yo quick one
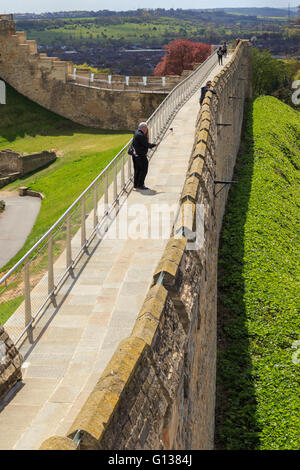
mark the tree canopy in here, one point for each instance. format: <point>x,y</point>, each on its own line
<point>181,55</point>
<point>273,76</point>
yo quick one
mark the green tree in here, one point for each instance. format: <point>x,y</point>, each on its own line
<point>273,76</point>
<point>268,73</point>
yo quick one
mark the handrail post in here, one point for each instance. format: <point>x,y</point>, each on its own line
<point>106,192</point>
<point>50,265</point>
<point>129,166</point>
<point>69,244</point>
<point>83,231</point>
<point>27,297</point>
<point>122,171</point>
<point>115,182</point>
<point>95,206</point>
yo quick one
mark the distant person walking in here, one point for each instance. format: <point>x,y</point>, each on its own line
<point>204,90</point>
<point>220,55</point>
<point>141,145</point>
<point>224,49</point>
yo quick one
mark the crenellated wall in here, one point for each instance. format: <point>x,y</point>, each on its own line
<point>51,83</point>
<point>158,390</point>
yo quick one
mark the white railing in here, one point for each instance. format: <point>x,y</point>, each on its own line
<point>121,84</point>
<point>33,283</point>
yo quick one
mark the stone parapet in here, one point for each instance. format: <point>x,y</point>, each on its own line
<point>10,364</point>
<point>59,443</point>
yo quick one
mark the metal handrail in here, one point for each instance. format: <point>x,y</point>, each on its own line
<point>189,77</point>
<point>157,123</point>
<point>62,217</point>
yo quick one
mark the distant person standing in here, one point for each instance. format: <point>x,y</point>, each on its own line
<point>224,49</point>
<point>220,55</point>
<point>204,90</point>
<point>141,145</point>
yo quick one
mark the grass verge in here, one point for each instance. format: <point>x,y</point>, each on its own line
<point>258,324</point>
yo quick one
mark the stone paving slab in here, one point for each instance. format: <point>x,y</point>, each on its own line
<point>96,308</point>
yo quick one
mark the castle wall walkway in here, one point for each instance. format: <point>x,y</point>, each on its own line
<point>97,307</point>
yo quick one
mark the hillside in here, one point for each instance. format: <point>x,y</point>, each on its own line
<point>258,337</point>
<point>99,38</point>
<point>177,13</point>
<point>263,12</point>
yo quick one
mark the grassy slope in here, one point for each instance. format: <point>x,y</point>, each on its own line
<point>258,406</point>
<point>159,30</point>
<point>26,127</point>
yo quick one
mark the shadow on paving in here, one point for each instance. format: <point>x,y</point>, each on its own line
<point>236,426</point>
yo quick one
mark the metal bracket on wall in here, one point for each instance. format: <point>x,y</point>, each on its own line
<point>234,97</point>
<point>224,184</point>
<point>223,124</point>
<point>77,438</point>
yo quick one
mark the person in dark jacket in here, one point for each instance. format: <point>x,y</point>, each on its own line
<point>204,90</point>
<point>220,55</point>
<point>224,49</point>
<point>141,145</point>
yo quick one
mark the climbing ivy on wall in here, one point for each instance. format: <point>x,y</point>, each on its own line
<point>258,313</point>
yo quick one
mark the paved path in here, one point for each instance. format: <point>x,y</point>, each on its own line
<point>97,308</point>
<point>16,223</point>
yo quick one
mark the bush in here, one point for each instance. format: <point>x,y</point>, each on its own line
<point>273,76</point>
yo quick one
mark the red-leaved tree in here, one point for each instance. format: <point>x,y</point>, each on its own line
<point>181,55</point>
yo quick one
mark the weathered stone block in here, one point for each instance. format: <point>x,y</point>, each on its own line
<point>59,443</point>
<point>10,364</point>
<point>197,167</point>
<point>171,257</point>
<point>185,223</point>
<point>190,189</point>
<point>200,150</point>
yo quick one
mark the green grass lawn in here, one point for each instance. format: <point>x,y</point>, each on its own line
<point>258,313</point>
<point>83,153</point>
<point>8,308</point>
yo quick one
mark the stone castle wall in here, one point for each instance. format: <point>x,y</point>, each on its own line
<point>158,390</point>
<point>11,161</point>
<point>48,82</point>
